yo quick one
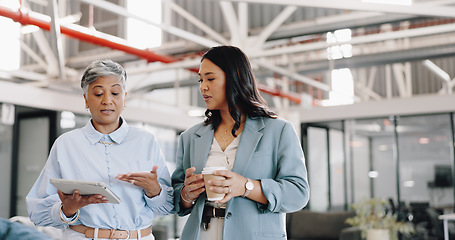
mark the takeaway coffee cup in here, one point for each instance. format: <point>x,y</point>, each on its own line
<point>207,172</point>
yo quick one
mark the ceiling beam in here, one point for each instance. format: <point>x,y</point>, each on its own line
<point>416,32</point>
<point>423,104</point>
<point>13,93</point>
<point>324,24</point>
<point>110,7</point>
<point>196,22</point>
<point>422,9</point>
<point>383,58</point>
<point>27,75</point>
<point>231,20</point>
<point>294,76</point>
<point>57,40</point>
<point>273,26</point>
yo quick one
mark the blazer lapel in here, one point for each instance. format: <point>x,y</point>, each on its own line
<point>248,144</point>
<point>201,147</point>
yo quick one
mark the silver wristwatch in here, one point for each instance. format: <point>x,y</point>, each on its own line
<point>248,187</point>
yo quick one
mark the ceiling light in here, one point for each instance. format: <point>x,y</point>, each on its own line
<point>408,184</point>
<point>356,144</point>
<point>373,174</point>
<point>424,140</point>
<point>393,2</point>
<point>383,148</point>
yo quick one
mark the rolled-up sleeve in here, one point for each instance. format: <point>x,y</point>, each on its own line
<point>163,203</point>
<point>43,202</point>
<point>289,190</point>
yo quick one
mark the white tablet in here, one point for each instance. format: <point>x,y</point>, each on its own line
<point>86,188</point>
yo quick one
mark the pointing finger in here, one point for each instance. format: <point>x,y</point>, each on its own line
<point>189,172</point>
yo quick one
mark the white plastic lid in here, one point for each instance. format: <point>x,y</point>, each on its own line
<point>209,170</point>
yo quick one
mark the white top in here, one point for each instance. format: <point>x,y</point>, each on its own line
<point>219,158</point>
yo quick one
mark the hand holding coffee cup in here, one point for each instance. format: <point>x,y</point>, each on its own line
<point>208,175</point>
<point>193,187</point>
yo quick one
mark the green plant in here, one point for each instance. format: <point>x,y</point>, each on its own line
<point>375,213</point>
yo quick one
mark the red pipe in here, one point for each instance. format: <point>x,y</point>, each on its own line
<point>293,97</point>
<point>25,19</point>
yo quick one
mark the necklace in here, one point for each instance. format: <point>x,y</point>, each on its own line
<point>106,143</point>
<point>224,139</point>
<point>230,137</point>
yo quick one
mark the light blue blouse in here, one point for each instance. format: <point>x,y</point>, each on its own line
<point>78,154</point>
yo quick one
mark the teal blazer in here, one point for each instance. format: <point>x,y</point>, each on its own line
<point>269,151</point>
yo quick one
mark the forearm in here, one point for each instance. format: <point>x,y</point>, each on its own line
<point>285,195</point>
<point>256,194</point>
<point>163,203</point>
<point>45,212</point>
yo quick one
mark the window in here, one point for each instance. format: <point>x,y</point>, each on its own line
<point>141,34</point>
<point>342,82</point>
<point>339,47</point>
<point>342,88</point>
<point>9,43</point>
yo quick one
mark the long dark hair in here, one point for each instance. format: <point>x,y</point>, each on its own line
<point>241,91</point>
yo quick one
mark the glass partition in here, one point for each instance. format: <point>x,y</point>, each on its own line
<point>326,167</point>
<point>318,176</point>
<point>405,159</point>
<point>373,165</point>
<point>360,166</point>
<point>337,171</point>
<point>426,159</point>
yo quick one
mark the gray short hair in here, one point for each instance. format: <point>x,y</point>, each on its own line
<point>101,68</point>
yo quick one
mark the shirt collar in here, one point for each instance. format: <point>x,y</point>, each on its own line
<point>94,136</point>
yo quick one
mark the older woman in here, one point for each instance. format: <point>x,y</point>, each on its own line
<point>106,149</point>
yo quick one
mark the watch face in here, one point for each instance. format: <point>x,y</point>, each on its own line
<point>249,185</point>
